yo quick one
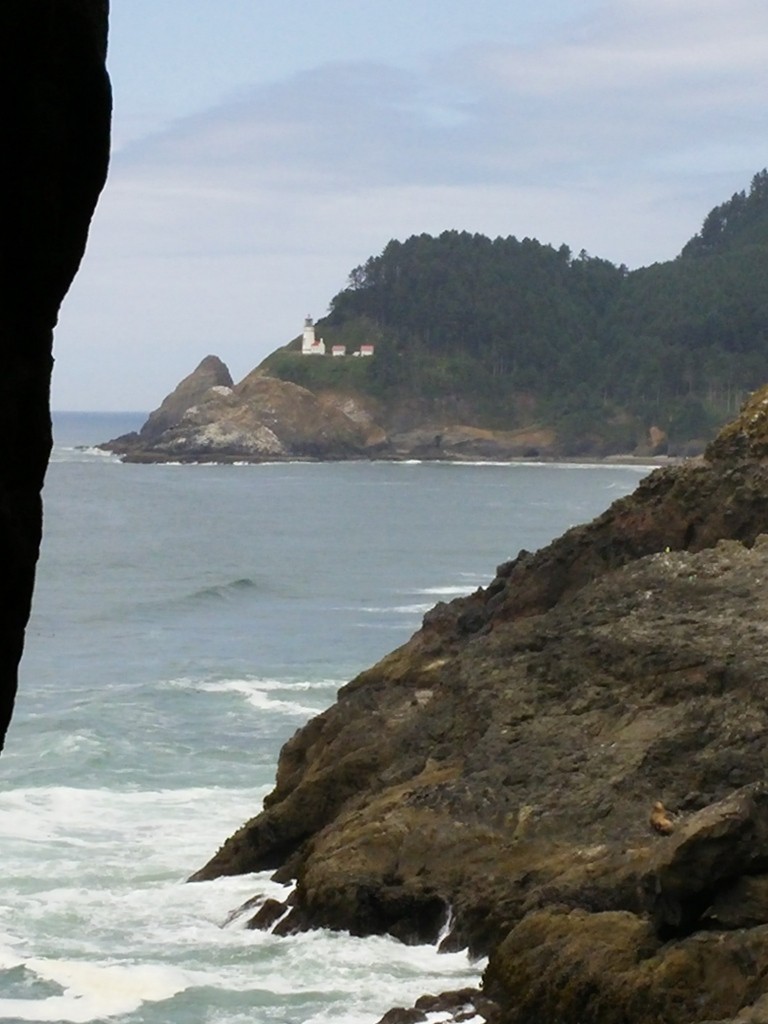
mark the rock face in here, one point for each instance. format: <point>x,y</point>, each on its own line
<point>210,419</point>
<point>55,103</point>
<point>499,770</point>
<point>211,373</point>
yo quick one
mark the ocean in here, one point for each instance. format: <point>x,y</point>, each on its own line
<point>187,620</point>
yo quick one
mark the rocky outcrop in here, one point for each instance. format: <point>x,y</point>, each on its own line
<point>463,1005</point>
<point>211,373</point>
<point>456,442</point>
<point>55,104</point>
<point>261,419</point>
<point>699,953</point>
<point>496,776</point>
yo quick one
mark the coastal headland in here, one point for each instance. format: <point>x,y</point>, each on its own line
<point>459,347</point>
<point>210,418</point>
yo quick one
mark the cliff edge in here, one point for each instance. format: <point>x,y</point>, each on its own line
<point>567,767</point>
<point>263,418</point>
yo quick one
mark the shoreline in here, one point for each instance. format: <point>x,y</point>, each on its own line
<point>198,459</point>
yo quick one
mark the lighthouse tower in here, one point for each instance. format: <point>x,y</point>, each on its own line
<point>310,345</point>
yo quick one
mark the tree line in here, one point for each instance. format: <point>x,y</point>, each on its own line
<point>678,344</point>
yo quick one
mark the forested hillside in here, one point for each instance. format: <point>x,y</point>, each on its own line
<point>520,330</point>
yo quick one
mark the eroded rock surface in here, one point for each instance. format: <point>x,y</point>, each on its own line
<point>209,419</point>
<point>211,373</point>
<point>502,765</point>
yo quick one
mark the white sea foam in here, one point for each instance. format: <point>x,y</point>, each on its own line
<point>312,953</point>
<point>224,685</point>
<point>108,875</point>
<point>438,1018</point>
<point>256,693</point>
<point>110,828</point>
<point>85,453</point>
<point>9,957</point>
<point>100,870</point>
<point>94,992</point>
<point>634,467</point>
<point>331,972</point>
<point>340,967</point>
<point>397,609</point>
<point>259,700</point>
<point>459,591</point>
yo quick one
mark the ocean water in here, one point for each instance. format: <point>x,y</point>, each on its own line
<point>187,620</point>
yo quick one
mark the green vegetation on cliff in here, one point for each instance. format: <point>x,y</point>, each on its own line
<point>522,332</point>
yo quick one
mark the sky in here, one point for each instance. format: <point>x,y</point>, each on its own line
<point>261,151</point>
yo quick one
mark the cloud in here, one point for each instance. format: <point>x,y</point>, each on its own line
<point>641,82</point>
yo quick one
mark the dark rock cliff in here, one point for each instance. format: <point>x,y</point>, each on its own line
<point>55,106</point>
<point>570,761</point>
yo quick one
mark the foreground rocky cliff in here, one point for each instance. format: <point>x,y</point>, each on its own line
<point>567,767</point>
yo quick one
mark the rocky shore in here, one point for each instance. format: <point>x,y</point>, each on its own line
<point>209,418</point>
<point>567,765</point>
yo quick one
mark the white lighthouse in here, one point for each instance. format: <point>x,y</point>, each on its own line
<point>310,345</point>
